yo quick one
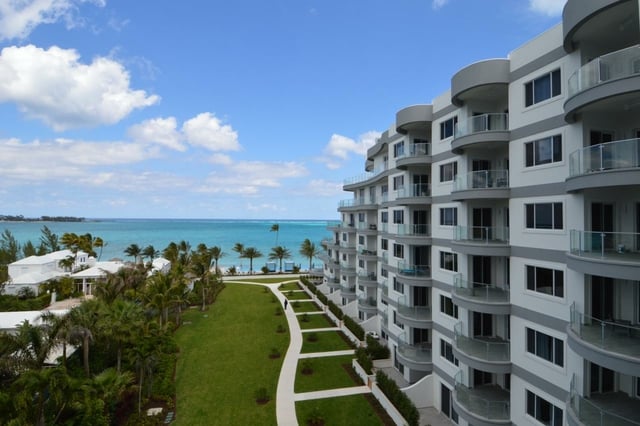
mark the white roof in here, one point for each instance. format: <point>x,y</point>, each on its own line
<point>44,259</point>
<point>99,270</point>
<point>34,277</point>
<point>11,320</point>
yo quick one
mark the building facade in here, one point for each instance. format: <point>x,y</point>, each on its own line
<point>494,238</point>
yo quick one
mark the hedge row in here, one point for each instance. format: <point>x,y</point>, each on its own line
<point>355,328</point>
<point>377,350</point>
<point>335,309</point>
<point>398,398</point>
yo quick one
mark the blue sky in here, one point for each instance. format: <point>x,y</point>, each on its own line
<point>222,109</point>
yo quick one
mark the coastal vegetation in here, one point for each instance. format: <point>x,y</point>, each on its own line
<point>21,218</point>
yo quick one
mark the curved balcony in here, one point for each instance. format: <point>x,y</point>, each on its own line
<point>368,305</point>
<point>414,275</point>
<point>384,293</point>
<point>367,279</point>
<point>486,298</point>
<point>419,191</point>
<point>348,290</point>
<point>586,21</point>
<point>482,240</point>
<point>347,269</point>
<point>608,254</point>
<point>333,283</point>
<point>415,154</point>
<point>484,80</point>
<point>419,234</point>
<point>490,354</point>
<point>417,356</point>
<point>368,255</point>
<point>413,316</point>
<point>611,409</point>
<point>415,117</point>
<point>616,75</point>
<point>365,178</point>
<point>357,204</point>
<point>613,344</point>
<point>481,131</point>
<point>482,184</point>
<point>606,165</point>
<point>488,404</point>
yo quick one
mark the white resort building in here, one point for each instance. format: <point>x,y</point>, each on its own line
<point>494,239</point>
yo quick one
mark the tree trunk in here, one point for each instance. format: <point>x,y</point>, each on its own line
<point>85,355</point>
<point>119,359</point>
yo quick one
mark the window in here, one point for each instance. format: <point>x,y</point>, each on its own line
<point>543,411</point>
<point>447,126</point>
<point>542,88</point>
<point>384,273</point>
<point>384,217</point>
<point>344,236</point>
<point>398,150</point>
<point>446,352</point>
<point>449,216</point>
<point>544,216</point>
<point>449,171</point>
<point>398,251</point>
<point>361,217</point>
<point>398,286</point>
<point>361,239</point>
<point>398,216</point>
<point>395,320</point>
<point>384,244</point>
<point>545,347</point>
<point>447,306</point>
<point>361,263</point>
<point>545,280</point>
<point>543,151</point>
<point>398,183</point>
<point>449,261</point>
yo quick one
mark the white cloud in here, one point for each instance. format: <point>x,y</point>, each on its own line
<point>222,159</point>
<point>162,131</point>
<point>437,4</point>
<point>55,87</point>
<point>547,7</point>
<point>323,188</point>
<point>340,147</point>
<point>19,17</point>
<point>208,131</point>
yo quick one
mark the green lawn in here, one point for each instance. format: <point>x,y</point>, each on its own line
<point>224,359</point>
<point>327,341</point>
<point>306,306</point>
<point>289,286</point>
<point>315,321</point>
<point>266,280</point>
<point>328,373</point>
<point>297,295</point>
<point>353,410</point>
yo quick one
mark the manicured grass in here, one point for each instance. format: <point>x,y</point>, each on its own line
<point>289,286</point>
<point>353,410</point>
<point>297,295</point>
<point>327,341</point>
<point>328,373</point>
<point>315,321</point>
<point>224,359</point>
<point>305,306</point>
<point>269,280</point>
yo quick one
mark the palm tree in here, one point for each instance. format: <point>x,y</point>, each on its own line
<point>216,253</point>
<point>251,253</point>
<point>171,253</point>
<point>134,251</point>
<point>98,242</point>
<point>309,250</point>
<point>275,228</point>
<point>83,322</point>
<point>122,321</point>
<point>49,240</point>
<point>239,248</point>
<point>279,253</point>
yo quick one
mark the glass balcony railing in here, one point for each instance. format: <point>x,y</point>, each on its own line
<point>418,313</point>
<point>384,227</point>
<point>617,246</point>
<point>592,414</point>
<point>384,287</point>
<point>366,176</point>
<point>482,179</point>
<point>624,154</point>
<point>348,289</point>
<point>411,270</point>
<point>346,267</point>
<point>367,303</point>
<point>490,402</point>
<point>355,202</point>
<point>489,293</point>
<point>414,190</point>
<point>487,234</point>
<point>614,335</point>
<point>420,230</point>
<point>364,226</point>
<point>493,350</point>
<point>613,66</point>
<point>420,352</point>
<point>347,244</point>
<point>482,123</point>
<point>421,149</point>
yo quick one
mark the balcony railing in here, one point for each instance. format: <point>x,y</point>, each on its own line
<point>365,176</point>
<point>363,226</point>
<point>421,149</point>
<point>490,402</point>
<point>420,352</point>
<point>591,414</point>
<point>422,230</point>
<point>482,123</point>
<point>414,190</point>
<point>624,154</point>
<point>367,276</point>
<point>355,202</point>
<point>418,313</point>
<point>411,270</point>
<point>486,234</point>
<point>620,246</point>
<point>481,292</point>
<point>482,179</point>
<point>367,302</point>
<point>347,244</point>
<point>493,351</point>
<point>615,335</point>
<point>348,289</point>
<point>613,66</point>
<point>384,287</point>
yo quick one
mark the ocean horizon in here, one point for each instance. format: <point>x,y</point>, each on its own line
<point>119,233</point>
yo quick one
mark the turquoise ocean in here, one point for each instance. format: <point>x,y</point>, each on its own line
<point>118,234</point>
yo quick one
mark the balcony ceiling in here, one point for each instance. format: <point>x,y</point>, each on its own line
<point>616,26</point>
<point>489,93</point>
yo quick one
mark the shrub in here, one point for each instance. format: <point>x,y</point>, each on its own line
<point>281,328</point>
<point>376,350</point>
<point>364,360</point>
<point>275,353</point>
<point>304,317</point>
<point>335,309</point>
<point>295,269</point>
<point>322,298</point>
<point>295,304</point>
<point>354,327</point>
<point>307,367</point>
<point>264,270</point>
<point>266,290</point>
<point>398,398</point>
<point>261,395</point>
<point>315,418</point>
<point>278,311</point>
<point>313,337</point>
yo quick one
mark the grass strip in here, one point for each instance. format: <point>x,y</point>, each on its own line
<point>314,321</point>
<point>352,410</point>
<point>328,373</point>
<point>326,341</point>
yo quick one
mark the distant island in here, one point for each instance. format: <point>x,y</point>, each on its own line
<point>20,218</point>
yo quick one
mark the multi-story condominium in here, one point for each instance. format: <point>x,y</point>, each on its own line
<point>494,240</point>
